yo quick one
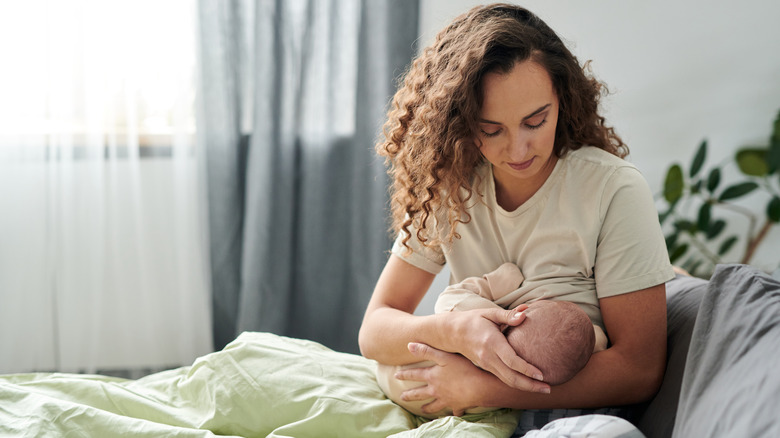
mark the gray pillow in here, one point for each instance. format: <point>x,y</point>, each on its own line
<point>683,296</point>
<point>731,385</point>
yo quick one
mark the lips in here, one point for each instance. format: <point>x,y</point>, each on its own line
<point>521,166</point>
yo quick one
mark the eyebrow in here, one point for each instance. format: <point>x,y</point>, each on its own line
<point>539,110</point>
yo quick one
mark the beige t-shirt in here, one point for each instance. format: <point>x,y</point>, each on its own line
<point>591,231</point>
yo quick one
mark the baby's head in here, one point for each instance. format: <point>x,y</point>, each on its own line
<point>557,337</point>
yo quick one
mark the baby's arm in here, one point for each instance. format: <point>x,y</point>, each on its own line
<point>480,292</point>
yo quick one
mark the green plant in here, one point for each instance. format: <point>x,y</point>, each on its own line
<point>698,236</point>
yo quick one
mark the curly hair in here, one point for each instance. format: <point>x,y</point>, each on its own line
<point>430,138</point>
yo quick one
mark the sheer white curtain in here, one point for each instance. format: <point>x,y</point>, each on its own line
<point>102,260</point>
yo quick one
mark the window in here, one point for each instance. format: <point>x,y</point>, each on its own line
<point>114,77</point>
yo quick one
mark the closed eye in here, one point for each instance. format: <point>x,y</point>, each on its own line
<point>536,121</point>
<point>490,133</point>
<point>536,126</point>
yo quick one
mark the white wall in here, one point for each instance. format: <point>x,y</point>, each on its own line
<point>679,71</point>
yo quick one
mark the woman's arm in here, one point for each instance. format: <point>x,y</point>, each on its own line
<point>389,326</point>
<point>630,371</point>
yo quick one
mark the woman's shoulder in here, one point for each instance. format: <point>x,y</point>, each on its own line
<point>593,156</point>
<point>598,166</point>
<point>597,176</point>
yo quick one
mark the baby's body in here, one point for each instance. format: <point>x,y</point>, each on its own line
<point>557,336</point>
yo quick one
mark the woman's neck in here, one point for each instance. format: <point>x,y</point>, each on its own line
<point>513,193</point>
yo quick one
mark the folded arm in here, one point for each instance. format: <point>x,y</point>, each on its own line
<point>630,371</point>
<point>389,326</point>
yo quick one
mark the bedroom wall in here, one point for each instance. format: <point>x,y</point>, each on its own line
<point>679,72</point>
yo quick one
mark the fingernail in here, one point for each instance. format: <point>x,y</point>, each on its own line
<point>517,315</point>
<point>538,377</point>
<point>412,347</point>
<point>545,390</point>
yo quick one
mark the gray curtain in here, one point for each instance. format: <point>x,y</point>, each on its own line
<point>292,98</point>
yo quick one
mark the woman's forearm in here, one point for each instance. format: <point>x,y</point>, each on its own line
<point>386,333</point>
<point>630,371</point>
<point>389,324</point>
<point>608,380</point>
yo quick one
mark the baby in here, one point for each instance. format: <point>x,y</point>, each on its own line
<point>557,336</point>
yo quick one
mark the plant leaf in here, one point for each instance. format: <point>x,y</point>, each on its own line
<point>753,161</point>
<point>696,187</point>
<point>773,156</point>
<point>705,213</point>
<point>715,229</point>
<point>678,252</point>
<point>665,215</point>
<point>713,179</point>
<point>662,216</point>
<point>726,245</point>
<point>698,159</point>
<point>773,209</point>
<point>671,239</point>
<point>737,190</point>
<point>685,225</point>
<point>776,130</point>
<point>673,185</point>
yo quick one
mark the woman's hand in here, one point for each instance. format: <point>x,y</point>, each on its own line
<point>480,339</point>
<point>440,379</point>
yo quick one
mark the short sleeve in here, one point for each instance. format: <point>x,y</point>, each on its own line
<point>430,259</point>
<point>631,253</point>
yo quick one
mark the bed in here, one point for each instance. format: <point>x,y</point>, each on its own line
<point>259,385</point>
<point>724,346</point>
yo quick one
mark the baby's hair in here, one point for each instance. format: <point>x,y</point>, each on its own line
<point>430,137</point>
<point>557,337</point>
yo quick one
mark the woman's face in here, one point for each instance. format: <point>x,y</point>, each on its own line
<point>517,128</point>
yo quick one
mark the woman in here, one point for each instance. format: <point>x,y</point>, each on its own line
<point>498,154</point>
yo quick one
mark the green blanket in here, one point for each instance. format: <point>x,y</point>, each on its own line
<point>259,385</point>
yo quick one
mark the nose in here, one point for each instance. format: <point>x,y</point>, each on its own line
<point>518,145</point>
